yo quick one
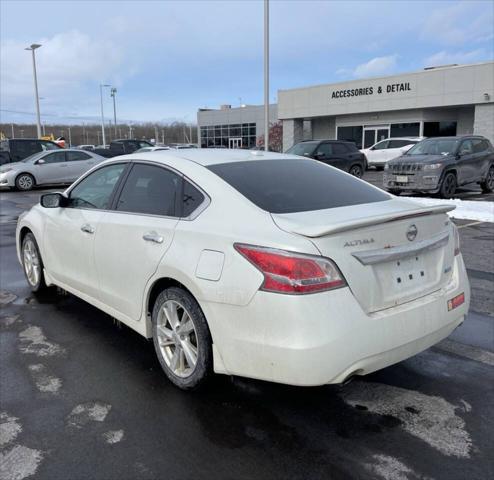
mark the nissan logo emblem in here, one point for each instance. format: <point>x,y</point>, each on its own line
<point>412,232</point>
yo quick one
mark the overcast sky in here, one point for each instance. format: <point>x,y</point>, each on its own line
<point>169,58</point>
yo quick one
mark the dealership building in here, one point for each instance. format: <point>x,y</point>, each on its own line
<point>449,100</point>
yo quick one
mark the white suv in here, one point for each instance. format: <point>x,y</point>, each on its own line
<point>385,150</point>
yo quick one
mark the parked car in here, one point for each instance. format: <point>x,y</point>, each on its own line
<point>337,153</point>
<point>122,147</point>
<point>47,168</point>
<point>17,149</point>
<point>152,149</point>
<point>441,164</point>
<point>386,150</point>
<point>87,147</point>
<point>261,265</point>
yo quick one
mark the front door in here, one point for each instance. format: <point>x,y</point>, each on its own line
<point>54,169</point>
<point>70,231</point>
<point>134,236</point>
<point>375,134</point>
<point>235,142</point>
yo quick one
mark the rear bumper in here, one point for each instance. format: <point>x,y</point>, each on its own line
<point>324,338</point>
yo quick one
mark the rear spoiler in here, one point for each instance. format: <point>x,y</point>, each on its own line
<point>315,231</point>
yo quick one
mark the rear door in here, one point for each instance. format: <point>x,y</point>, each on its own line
<point>134,236</point>
<point>342,157</point>
<point>53,170</point>
<point>78,163</point>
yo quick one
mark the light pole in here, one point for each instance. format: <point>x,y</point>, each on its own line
<point>33,47</point>
<point>266,75</point>
<point>13,134</point>
<point>102,114</point>
<point>113,93</point>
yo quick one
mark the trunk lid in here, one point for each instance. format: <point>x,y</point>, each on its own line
<point>390,252</point>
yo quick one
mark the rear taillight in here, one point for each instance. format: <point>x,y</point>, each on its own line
<point>293,273</point>
<point>457,240</point>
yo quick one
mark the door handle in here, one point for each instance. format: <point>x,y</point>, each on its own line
<point>87,228</point>
<point>153,237</point>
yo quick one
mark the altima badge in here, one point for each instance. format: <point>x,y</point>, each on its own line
<point>412,232</point>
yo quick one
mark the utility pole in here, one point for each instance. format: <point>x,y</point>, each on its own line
<point>266,75</point>
<point>102,114</point>
<point>113,93</point>
<point>13,134</point>
<point>130,131</point>
<point>33,47</point>
<point>163,136</point>
<point>70,138</point>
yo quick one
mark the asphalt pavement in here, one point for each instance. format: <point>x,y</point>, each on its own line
<point>83,397</point>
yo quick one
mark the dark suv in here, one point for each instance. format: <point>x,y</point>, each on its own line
<point>17,149</point>
<point>339,154</point>
<point>441,164</point>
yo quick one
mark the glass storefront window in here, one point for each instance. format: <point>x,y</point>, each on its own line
<point>405,129</point>
<point>439,129</point>
<point>351,134</point>
<point>219,135</point>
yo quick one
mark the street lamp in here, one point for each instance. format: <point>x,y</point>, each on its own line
<point>266,75</point>
<point>113,93</point>
<point>33,47</point>
<point>102,114</point>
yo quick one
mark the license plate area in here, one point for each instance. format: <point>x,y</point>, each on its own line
<point>402,178</point>
<point>408,273</point>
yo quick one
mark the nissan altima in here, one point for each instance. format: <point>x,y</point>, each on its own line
<point>250,263</point>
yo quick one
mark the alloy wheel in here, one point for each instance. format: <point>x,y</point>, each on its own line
<point>25,182</point>
<point>356,171</point>
<point>490,179</point>
<point>32,265</point>
<point>449,185</point>
<point>177,338</point>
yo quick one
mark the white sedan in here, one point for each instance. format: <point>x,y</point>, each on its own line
<point>256,264</point>
<point>382,152</point>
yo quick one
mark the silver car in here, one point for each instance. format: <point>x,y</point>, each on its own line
<point>49,167</point>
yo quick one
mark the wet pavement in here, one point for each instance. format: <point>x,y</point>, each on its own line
<point>83,397</point>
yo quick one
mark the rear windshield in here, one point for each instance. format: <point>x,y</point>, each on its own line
<point>288,186</point>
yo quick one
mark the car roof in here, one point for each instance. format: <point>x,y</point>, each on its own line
<point>211,156</point>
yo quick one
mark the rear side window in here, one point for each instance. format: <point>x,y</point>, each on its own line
<point>288,186</point>
<point>77,156</point>
<point>150,190</point>
<point>339,149</point>
<point>191,200</point>
<point>400,143</point>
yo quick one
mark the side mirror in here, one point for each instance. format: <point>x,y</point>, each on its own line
<point>40,161</point>
<point>319,156</point>
<point>53,200</point>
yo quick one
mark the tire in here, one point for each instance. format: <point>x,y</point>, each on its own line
<point>33,264</point>
<point>394,191</point>
<point>448,185</point>
<point>356,171</point>
<point>25,182</point>
<point>173,310</point>
<point>487,185</point>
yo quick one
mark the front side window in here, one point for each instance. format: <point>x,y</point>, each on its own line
<point>466,148</point>
<point>289,186</point>
<point>77,156</point>
<point>55,157</point>
<point>381,145</point>
<point>400,143</point>
<point>150,190</point>
<point>95,190</point>
<point>324,150</point>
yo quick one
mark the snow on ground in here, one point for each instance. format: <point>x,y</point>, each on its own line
<point>465,209</point>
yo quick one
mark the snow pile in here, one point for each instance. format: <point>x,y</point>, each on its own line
<point>465,209</point>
